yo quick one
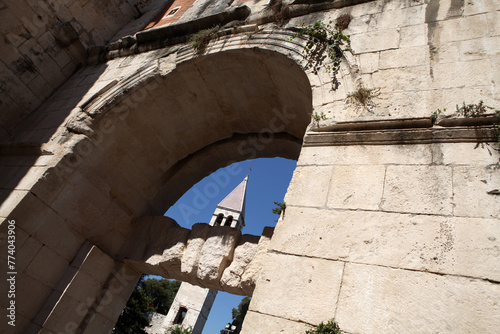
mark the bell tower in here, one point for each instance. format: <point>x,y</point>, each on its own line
<point>192,304</point>
<point>231,210</point>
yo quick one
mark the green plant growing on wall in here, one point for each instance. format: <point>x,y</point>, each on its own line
<point>181,330</point>
<point>318,117</point>
<point>473,109</point>
<point>331,327</point>
<point>363,97</point>
<point>324,38</point>
<point>280,208</point>
<point>438,112</point>
<point>199,40</point>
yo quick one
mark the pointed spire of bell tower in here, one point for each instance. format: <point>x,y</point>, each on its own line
<point>231,210</point>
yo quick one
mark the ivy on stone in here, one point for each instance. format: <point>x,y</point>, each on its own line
<point>324,37</point>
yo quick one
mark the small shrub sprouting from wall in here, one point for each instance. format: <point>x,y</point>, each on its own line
<point>181,330</point>
<point>473,110</point>
<point>323,38</point>
<point>363,97</point>
<point>280,208</point>
<point>199,40</point>
<point>331,327</point>
<point>476,110</point>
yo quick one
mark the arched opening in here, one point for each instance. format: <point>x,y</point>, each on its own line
<point>267,183</point>
<point>218,221</point>
<point>229,220</point>
<point>165,132</point>
<point>155,141</point>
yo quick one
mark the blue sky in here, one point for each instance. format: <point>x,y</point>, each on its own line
<point>268,182</point>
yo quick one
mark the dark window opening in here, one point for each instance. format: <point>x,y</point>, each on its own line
<point>218,221</point>
<point>173,11</point>
<point>181,314</point>
<point>229,220</point>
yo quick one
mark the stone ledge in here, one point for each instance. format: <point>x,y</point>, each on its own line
<point>179,33</point>
<point>405,131</point>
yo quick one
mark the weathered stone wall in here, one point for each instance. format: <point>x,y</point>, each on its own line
<point>382,237</point>
<point>44,42</point>
<point>387,228</point>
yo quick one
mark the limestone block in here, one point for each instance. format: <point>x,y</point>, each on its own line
<point>245,252</point>
<point>47,226</point>
<point>48,41</point>
<point>418,189</point>
<point>466,154</point>
<point>322,94</point>
<point>480,6</point>
<point>356,187</point>
<point>118,290</point>
<point>475,254</point>
<point>375,299</point>
<point>470,73</point>
<point>416,242</point>
<point>288,281</point>
<point>493,24</point>
<point>66,312</point>
<point>471,186</point>
<point>358,25</point>
<point>27,252</point>
<point>404,57</point>
<point>217,253</point>
<point>30,295</point>
<point>447,52</point>
<point>415,35</point>
<point>375,41</point>
<point>404,104</point>
<point>399,17</point>
<point>83,287</point>
<point>47,266</point>
<point>309,186</point>
<point>463,28</point>
<point>10,201</point>
<point>259,323</point>
<point>365,155</point>
<point>402,79</point>
<point>190,258</point>
<point>479,48</point>
<point>369,62</point>
<point>253,271</point>
<point>97,264</point>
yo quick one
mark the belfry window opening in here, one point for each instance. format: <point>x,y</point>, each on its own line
<point>218,221</point>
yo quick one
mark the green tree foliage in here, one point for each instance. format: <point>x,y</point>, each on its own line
<point>150,295</point>
<point>161,292</point>
<point>280,208</point>
<point>133,318</point>
<point>239,314</point>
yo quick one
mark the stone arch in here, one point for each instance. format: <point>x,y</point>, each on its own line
<point>139,143</point>
<point>203,115</point>
<point>245,98</point>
